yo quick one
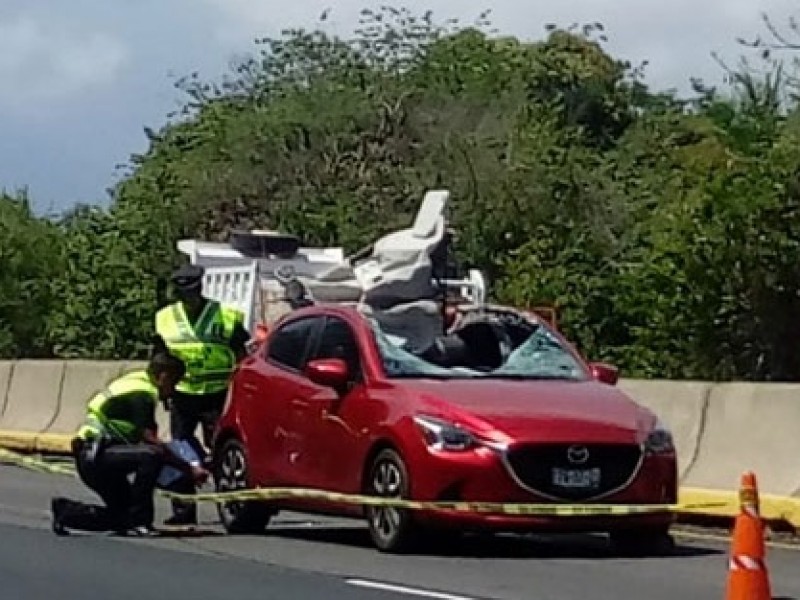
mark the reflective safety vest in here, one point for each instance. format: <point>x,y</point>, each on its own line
<point>204,347</point>
<point>103,419</point>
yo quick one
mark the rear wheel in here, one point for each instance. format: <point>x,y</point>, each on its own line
<point>230,474</point>
<point>643,542</point>
<point>391,529</point>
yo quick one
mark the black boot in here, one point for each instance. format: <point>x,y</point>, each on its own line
<point>68,514</point>
<point>182,514</point>
<point>57,508</point>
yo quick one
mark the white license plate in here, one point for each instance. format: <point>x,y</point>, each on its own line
<point>577,478</point>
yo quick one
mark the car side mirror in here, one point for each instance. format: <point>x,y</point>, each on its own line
<point>605,373</point>
<point>330,372</point>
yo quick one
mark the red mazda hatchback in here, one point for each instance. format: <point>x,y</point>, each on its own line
<point>501,409</point>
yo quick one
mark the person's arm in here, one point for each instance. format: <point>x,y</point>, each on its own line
<point>195,471</point>
<point>159,345</point>
<point>150,436</point>
<point>239,340</point>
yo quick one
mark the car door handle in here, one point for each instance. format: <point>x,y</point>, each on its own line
<point>249,387</point>
<point>296,403</point>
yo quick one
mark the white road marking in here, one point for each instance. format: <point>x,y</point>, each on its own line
<point>401,589</point>
<point>711,537</point>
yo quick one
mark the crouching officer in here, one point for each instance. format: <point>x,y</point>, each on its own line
<point>119,438</point>
<point>210,338</point>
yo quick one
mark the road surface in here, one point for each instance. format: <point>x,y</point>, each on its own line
<point>317,558</point>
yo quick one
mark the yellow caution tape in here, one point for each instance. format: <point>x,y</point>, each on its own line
<point>273,494</point>
<point>562,510</point>
<point>35,464</point>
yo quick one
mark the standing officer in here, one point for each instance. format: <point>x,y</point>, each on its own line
<point>119,438</point>
<point>210,339</point>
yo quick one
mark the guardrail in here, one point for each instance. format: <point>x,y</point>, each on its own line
<point>720,429</point>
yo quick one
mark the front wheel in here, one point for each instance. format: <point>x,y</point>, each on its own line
<point>230,474</point>
<point>391,529</point>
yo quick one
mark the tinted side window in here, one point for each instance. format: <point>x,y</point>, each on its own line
<point>339,341</point>
<point>289,344</point>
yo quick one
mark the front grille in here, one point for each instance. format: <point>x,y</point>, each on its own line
<point>595,470</point>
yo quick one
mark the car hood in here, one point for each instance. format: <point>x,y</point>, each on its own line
<point>546,411</point>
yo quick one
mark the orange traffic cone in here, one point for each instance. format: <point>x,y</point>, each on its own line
<point>748,578</point>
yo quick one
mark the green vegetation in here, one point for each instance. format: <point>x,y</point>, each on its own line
<point>665,230</point>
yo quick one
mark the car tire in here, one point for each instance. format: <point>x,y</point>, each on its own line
<point>643,542</point>
<point>392,530</point>
<point>230,474</point>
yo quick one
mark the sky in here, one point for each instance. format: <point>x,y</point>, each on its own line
<point>80,79</point>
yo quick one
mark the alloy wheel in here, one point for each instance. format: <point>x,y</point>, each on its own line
<point>232,477</point>
<point>387,481</point>
<point>391,529</point>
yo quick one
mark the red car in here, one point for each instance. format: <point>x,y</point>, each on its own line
<point>502,409</point>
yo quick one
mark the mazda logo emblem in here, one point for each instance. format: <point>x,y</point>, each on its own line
<point>577,455</point>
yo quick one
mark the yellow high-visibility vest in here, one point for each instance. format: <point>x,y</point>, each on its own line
<point>204,347</point>
<point>109,417</point>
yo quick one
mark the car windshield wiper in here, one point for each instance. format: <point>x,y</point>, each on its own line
<point>425,375</point>
<point>532,376</point>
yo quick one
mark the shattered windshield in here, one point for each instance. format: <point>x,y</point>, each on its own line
<point>540,356</point>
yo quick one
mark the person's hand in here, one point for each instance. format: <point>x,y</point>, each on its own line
<point>199,474</point>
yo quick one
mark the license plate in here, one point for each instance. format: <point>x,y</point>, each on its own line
<point>577,478</point>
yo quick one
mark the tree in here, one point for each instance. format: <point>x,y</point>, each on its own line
<point>30,258</point>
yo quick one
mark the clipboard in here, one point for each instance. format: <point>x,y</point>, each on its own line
<point>170,474</point>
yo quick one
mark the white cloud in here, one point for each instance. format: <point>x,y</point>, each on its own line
<point>41,62</point>
<point>245,20</point>
<point>676,37</point>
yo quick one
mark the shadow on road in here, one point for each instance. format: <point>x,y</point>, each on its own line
<point>188,533</point>
<point>487,546</point>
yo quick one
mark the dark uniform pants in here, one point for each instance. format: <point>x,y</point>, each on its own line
<point>106,471</point>
<point>186,412</point>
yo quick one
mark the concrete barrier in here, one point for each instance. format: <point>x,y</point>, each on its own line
<point>82,379</point>
<point>750,427</point>
<point>6,368</point>
<point>681,405</point>
<point>133,365</point>
<point>33,395</point>
<point>162,419</point>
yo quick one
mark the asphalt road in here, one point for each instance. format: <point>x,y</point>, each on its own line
<point>318,558</point>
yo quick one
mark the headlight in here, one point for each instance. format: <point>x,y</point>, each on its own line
<point>659,440</point>
<point>441,435</point>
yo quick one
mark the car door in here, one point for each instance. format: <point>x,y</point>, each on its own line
<point>339,423</point>
<point>274,382</point>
